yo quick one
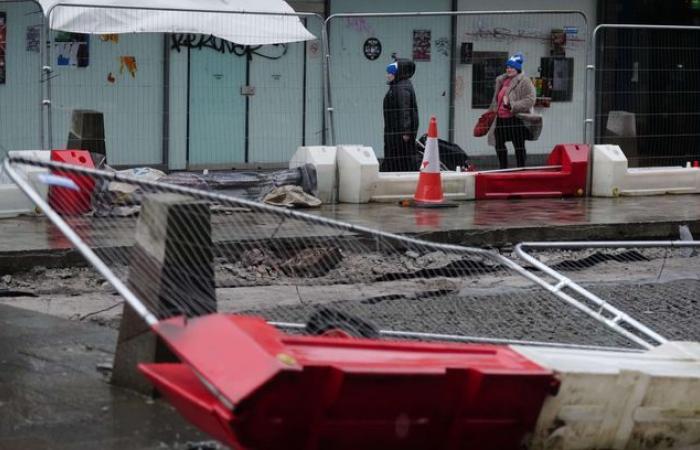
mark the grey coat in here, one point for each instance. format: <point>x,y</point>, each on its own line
<point>521,95</point>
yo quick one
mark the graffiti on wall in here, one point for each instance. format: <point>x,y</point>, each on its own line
<point>199,42</point>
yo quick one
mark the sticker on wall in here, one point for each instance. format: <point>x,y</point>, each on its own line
<point>33,38</point>
<point>372,48</point>
<point>3,43</point>
<point>128,63</point>
<point>459,86</point>
<point>442,45</point>
<point>72,49</point>
<point>558,40</point>
<point>113,38</point>
<point>421,45</point>
<point>314,49</point>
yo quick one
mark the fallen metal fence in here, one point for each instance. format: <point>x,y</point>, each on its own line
<point>292,268</point>
<point>625,283</point>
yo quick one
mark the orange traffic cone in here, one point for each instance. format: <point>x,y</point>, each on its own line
<point>429,190</point>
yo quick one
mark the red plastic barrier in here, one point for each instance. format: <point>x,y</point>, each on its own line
<point>274,391</point>
<point>67,201</point>
<point>567,181</point>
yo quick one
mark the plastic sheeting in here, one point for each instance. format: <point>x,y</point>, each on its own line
<point>215,17</point>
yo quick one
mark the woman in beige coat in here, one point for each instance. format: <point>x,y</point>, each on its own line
<point>514,94</point>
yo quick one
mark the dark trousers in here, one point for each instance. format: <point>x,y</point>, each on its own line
<point>513,130</point>
<point>399,155</point>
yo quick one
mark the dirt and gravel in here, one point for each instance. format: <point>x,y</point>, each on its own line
<point>432,292</point>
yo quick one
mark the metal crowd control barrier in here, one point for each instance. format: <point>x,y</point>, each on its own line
<point>21,75</point>
<point>650,130</point>
<point>526,287</point>
<point>355,84</point>
<point>229,130</point>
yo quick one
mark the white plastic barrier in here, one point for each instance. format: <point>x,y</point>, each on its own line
<point>324,160</point>
<point>13,202</point>
<point>359,179</point>
<point>621,400</point>
<point>612,177</point>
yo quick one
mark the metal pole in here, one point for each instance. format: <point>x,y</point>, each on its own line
<point>43,36</point>
<point>48,75</point>
<point>472,339</point>
<point>328,105</point>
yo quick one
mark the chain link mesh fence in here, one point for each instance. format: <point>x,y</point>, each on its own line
<point>296,269</point>
<point>647,94</point>
<point>454,80</point>
<point>657,284</point>
<point>22,80</point>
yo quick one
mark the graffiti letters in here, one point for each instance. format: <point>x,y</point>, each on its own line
<point>199,42</point>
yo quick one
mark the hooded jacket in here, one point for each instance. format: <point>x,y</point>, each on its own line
<point>400,107</point>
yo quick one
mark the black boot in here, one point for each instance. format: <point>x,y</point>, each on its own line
<point>502,158</point>
<point>520,157</point>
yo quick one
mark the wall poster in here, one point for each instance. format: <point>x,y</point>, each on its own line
<point>72,49</point>
<point>421,45</point>
<point>33,38</point>
<point>3,39</point>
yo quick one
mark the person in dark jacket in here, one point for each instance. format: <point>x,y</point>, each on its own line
<point>400,119</point>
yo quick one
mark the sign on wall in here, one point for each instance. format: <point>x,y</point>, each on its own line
<point>372,48</point>
<point>421,45</point>
<point>32,38</point>
<point>72,49</point>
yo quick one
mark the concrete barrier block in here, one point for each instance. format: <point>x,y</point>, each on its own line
<point>170,270</point>
<point>612,177</point>
<point>323,158</point>
<point>358,171</point>
<point>397,186</point>
<point>361,182</point>
<point>620,400</point>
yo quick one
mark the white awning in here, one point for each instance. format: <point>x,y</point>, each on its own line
<point>192,16</point>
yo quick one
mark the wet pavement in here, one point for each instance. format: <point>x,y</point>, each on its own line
<point>52,395</point>
<point>29,241</point>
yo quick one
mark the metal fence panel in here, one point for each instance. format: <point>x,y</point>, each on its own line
<point>290,267</point>
<point>21,89</point>
<point>185,100</point>
<point>647,92</point>
<point>655,283</point>
<point>455,76</point>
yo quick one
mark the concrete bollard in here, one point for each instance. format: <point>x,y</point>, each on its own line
<point>171,271</point>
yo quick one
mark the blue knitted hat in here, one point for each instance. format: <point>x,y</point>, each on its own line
<point>393,68</point>
<point>516,62</point>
